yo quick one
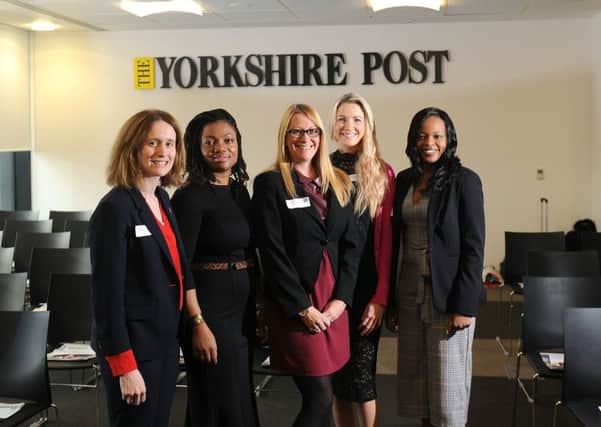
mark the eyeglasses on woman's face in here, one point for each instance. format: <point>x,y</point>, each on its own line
<point>299,133</point>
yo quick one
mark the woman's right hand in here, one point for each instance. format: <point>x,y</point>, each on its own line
<point>314,320</point>
<point>204,346</point>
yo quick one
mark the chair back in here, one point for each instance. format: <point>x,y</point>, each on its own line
<point>60,218</point>
<point>23,356</point>
<point>517,246</point>
<point>6,260</point>
<point>12,291</point>
<point>45,261</point>
<point>582,353</point>
<point>13,226</point>
<point>545,300</point>
<point>70,306</point>
<point>563,263</point>
<point>18,215</point>
<point>26,241</point>
<point>79,233</point>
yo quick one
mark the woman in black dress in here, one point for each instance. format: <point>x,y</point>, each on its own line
<point>353,128</point>
<point>212,209</point>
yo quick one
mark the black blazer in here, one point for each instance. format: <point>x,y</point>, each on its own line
<point>134,282</point>
<point>456,238</point>
<point>291,243</point>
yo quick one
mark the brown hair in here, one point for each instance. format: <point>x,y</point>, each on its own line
<point>124,169</point>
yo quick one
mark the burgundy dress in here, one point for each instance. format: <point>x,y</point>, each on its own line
<point>294,349</point>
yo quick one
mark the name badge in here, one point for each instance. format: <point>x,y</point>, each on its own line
<point>299,202</point>
<point>142,231</point>
<point>353,177</point>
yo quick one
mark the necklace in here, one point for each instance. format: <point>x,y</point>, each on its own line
<point>153,204</point>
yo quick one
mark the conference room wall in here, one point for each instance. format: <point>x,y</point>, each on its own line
<point>519,92</point>
<point>596,121</point>
<point>14,89</point>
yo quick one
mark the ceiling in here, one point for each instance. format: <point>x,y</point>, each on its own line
<point>105,15</point>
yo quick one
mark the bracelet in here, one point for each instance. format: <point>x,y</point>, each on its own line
<point>196,320</point>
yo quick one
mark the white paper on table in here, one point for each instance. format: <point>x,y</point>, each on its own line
<point>552,360</point>
<point>72,351</point>
<point>9,409</point>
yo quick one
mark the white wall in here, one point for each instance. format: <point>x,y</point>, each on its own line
<point>519,93</point>
<point>14,89</point>
<point>596,121</point>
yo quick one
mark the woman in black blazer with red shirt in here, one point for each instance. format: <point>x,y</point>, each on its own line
<point>438,250</point>
<point>140,277</point>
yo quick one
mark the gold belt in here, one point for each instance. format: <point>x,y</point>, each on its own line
<point>212,266</point>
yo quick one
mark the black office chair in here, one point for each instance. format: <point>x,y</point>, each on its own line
<point>545,299</point>
<point>563,263</point>
<point>12,291</point>
<point>6,260</point>
<point>25,242</point>
<point>70,306</point>
<point>581,391</point>
<point>60,218</point>
<point>17,215</point>
<point>515,267</point>
<point>13,226</point>
<point>45,261</point>
<point>79,233</point>
<point>23,364</point>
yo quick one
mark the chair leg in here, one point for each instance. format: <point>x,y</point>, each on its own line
<point>515,392</point>
<point>534,390</point>
<point>53,406</point>
<point>557,404</point>
<point>500,320</point>
<point>97,378</point>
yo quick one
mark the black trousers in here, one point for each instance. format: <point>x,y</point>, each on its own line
<point>160,377</point>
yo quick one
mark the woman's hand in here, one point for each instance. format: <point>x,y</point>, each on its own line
<point>133,388</point>
<point>204,346</point>
<point>334,309</point>
<point>371,318</point>
<point>392,320</point>
<point>457,322</point>
<point>314,320</point>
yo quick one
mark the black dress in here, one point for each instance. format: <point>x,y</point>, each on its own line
<point>214,225</point>
<point>356,381</point>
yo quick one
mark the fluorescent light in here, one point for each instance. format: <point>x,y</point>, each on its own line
<point>43,26</point>
<point>386,4</point>
<point>145,8</point>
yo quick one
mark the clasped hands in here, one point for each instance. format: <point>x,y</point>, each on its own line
<point>318,321</point>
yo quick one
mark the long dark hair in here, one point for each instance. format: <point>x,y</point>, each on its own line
<point>447,167</point>
<point>198,169</point>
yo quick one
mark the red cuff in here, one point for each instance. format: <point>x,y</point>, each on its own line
<point>122,363</point>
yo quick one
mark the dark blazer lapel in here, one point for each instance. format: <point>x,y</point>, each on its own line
<point>148,219</point>
<point>311,210</point>
<point>333,209</point>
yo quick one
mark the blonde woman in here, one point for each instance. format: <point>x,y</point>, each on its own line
<point>308,245</point>
<point>352,127</point>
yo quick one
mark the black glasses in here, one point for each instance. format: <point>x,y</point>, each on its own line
<point>298,133</point>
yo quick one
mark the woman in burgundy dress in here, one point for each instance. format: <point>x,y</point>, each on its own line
<point>310,253</point>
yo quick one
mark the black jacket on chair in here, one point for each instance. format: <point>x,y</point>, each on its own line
<point>456,239</point>
<point>291,242</point>
<point>135,287</point>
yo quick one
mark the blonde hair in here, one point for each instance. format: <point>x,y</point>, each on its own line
<point>124,168</point>
<point>372,179</point>
<point>330,176</point>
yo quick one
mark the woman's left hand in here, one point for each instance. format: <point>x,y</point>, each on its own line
<point>371,318</point>
<point>334,309</point>
<point>457,322</point>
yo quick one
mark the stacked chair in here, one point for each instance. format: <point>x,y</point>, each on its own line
<point>555,281</point>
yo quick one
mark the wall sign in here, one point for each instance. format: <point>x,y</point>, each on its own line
<point>298,69</point>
